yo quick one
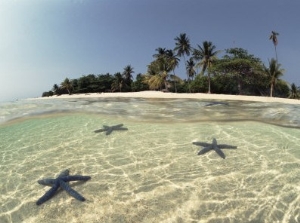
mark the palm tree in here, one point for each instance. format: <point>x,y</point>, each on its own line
<point>55,88</point>
<point>174,61</point>
<point>207,56</point>
<point>274,39</point>
<point>127,75</point>
<point>117,83</point>
<point>155,81</point>
<point>183,46</point>
<point>158,73</point>
<point>190,66</point>
<point>160,52</point>
<point>67,84</point>
<point>294,93</point>
<point>273,72</point>
<point>175,79</point>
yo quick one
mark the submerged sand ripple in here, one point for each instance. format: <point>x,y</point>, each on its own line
<point>150,173</point>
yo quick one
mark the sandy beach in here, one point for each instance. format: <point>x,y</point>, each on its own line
<point>159,94</point>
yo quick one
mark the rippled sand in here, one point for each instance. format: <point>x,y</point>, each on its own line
<point>150,173</point>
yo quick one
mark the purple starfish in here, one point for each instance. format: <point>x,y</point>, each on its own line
<point>61,181</point>
<point>213,146</point>
<point>109,129</point>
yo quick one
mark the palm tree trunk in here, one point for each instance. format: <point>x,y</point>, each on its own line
<point>208,75</point>
<point>165,83</point>
<point>187,74</point>
<point>276,54</point>
<point>239,84</point>
<point>120,86</point>
<point>175,81</point>
<point>271,90</point>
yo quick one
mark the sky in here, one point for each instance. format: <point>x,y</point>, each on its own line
<point>43,42</point>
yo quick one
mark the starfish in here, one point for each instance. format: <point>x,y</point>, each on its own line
<point>61,181</point>
<point>216,103</point>
<point>109,129</point>
<point>213,146</point>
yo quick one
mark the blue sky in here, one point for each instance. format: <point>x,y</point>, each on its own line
<point>44,41</point>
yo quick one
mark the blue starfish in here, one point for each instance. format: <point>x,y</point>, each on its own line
<point>61,181</point>
<point>216,103</point>
<point>213,146</point>
<point>109,129</point>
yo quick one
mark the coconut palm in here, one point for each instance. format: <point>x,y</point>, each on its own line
<point>207,55</point>
<point>172,59</point>
<point>190,66</point>
<point>174,62</point>
<point>160,52</point>
<point>294,93</point>
<point>117,83</point>
<point>127,75</point>
<point>182,46</point>
<point>274,39</point>
<point>67,84</point>
<point>155,81</point>
<point>273,72</point>
<point>55,88</point>
<point>175,80</point>
<point>158,73</point>
<point>153,78</point>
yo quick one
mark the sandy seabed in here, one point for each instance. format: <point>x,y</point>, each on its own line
<point>155,176</point>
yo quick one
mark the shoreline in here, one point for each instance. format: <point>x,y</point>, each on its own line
<point>159,94</point>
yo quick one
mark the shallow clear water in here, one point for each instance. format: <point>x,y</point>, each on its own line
<point>151,173</point>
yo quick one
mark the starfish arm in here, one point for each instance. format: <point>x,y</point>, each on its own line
<point>75,178</point>
<point>50,181</point>
<point>70,191</point>
<point>122,128</point>
<point>224,146</point>
<point>47,182</point>
<point>216,103</point>
<point>204,144</point>
<point>117,126</point>
<point>220,153</point>
<point>104,129</point>
<point>109,131</point>
<point>204,150</point>
<point>214,143</point>
<point>50,193</point>
<point>64,173</point>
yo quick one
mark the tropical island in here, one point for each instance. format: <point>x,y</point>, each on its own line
<point>236,72</point>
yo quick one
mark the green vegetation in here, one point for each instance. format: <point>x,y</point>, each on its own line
<point>235,72</point>
<point>273,72</point>
<point>207,57</point>
<point>274,39</point>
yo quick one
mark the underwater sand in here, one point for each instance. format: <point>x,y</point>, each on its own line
<point>150,173</point>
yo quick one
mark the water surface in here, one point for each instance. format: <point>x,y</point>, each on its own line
<point>151,173</point>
